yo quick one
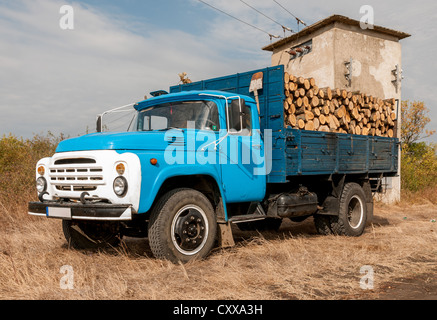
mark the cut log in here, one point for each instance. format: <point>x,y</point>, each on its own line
<point>312,82</point>
<point>324,129</point>
<point>300,110</point>
<point>298,102</point>
<point>301,124</point>
<point>292,120</point>
<point>340,112</point>
<point>316,122</point>
<point>327,92</point>
<point>336,93</point>
<point>390,133</point>
<point>322,119</point>
<point>309,115</point>
<point>321,94</point>
<point>309,125</point>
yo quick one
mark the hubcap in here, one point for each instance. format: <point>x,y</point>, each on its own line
<point>189,230</point>
<point>355,212</point>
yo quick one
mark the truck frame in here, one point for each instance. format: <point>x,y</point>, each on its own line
<point>202,158</point>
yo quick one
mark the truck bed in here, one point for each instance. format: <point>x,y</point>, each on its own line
<point>300,152</point>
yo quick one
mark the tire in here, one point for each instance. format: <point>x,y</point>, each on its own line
<point>352,217</point>
<point>323,224</point>
<point>91,235</point>
<point>182,226</point>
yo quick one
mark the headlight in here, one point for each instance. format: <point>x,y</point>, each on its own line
<point>120,186</point>
<point>41,184</point>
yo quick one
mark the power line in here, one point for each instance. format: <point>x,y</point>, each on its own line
<point>283,27</point>
<point>246,23</point>
<point>298,20</point>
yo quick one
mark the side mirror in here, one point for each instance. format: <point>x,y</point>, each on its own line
<point>99,124</point>
<point>239,116</point>
<point>235,116</point>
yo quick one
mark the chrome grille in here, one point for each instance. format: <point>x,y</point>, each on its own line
<point>76,175</point>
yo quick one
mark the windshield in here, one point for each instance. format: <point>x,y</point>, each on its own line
<point>201,115</point>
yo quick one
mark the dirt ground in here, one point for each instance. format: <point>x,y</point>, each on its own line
<point>294,263</point>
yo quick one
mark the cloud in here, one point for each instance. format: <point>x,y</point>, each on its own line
<point>57,80</point>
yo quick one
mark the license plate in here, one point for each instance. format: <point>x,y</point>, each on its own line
<point>63,213</point>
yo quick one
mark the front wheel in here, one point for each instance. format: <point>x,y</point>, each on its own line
<point>182,226</point>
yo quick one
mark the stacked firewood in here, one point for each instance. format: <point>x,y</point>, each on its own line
<point>308,107</point>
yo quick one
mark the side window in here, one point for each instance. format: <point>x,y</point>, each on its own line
<point>240,119</point>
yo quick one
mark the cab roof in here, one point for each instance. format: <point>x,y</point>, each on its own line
<point>188,95</point>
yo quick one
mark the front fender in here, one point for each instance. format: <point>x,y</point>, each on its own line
<point>154,177</point>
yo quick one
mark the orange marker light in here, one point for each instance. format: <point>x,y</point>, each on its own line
<point>120,168</point>
<point>41,170</point>
<point>154,161</point>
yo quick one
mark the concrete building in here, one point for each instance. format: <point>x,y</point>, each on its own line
<point>338,53</point>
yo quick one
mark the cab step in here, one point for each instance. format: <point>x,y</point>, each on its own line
<point>247,218</point>
<point>258,215</point>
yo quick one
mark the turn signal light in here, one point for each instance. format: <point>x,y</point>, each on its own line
<point>41,170</point>
<point>120,168</point>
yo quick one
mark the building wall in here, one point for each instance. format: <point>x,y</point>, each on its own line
<point>374,56</point>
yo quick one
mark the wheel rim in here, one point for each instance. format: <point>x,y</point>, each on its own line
<point>189,230</point>
<point>355,212</point>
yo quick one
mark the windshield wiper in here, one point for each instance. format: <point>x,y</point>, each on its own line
<point>170,128</point>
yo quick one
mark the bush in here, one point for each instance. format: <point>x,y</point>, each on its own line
<point>419,167</point>
<point>18,158</point>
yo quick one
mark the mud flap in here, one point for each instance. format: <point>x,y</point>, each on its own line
<point>225,237</point>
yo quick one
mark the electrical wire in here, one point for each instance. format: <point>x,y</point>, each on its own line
<point>246,23</point>
<point>298,20</point>
<point>283,27</point>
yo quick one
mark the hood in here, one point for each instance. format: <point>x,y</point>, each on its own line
<point>146,140</point>
<point>115,141</point>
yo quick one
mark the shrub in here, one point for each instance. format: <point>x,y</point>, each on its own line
<point>419,167</point>
<point>18,158</point>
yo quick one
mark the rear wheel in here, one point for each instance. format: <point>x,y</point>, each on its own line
<point>352,216</point>
<point>182,226</point>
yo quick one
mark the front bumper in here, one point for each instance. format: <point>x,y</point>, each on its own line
<point>79,211</point>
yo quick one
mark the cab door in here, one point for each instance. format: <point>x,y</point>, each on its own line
<point>241,154</point>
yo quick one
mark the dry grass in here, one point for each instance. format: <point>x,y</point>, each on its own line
<point>294,263</point>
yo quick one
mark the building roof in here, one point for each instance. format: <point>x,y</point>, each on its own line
<point>330,20</point>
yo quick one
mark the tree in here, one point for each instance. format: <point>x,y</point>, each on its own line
<point>414,121</point>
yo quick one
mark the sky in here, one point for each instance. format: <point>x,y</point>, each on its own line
<point>58,80</point>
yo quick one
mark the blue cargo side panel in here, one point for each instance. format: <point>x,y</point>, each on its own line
<point>325,153</point>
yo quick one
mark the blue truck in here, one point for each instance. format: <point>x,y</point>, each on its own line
<point>205,156</point>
